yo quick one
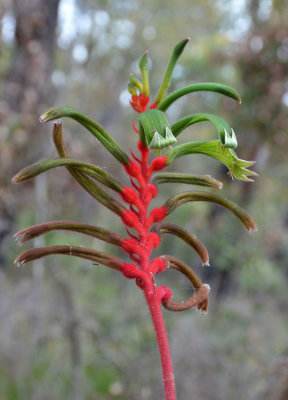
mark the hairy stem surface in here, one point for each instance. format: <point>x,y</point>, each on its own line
<point>153,295</point>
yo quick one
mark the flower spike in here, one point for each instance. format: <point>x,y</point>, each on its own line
<point>144,224</point>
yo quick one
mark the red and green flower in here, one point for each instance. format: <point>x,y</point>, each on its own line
<point>145,229</point>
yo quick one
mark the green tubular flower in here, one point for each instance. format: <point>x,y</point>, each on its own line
<point>199,87</point>
<point>91,170</point>
<point>186,197</point>
<point>199,180</point>
<point>226,134</point>
<point>111,145</point>
<point>154,129</point>
<point>237,167</point>
<point>156,133</point>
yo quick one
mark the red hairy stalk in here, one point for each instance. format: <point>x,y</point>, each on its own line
<point>142,246</point>
<point>139,249</point>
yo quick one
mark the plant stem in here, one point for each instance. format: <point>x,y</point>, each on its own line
<point>154,305</point>
<point>149,288</point>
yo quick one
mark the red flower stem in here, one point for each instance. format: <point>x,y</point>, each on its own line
<point>141,247</point>
<point>154,304</point>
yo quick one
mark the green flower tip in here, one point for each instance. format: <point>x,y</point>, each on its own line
<point>239,170</point>
<point>49,115</point>
<point>229,140</point>
<point>143,65</point>
<point>136,84</point>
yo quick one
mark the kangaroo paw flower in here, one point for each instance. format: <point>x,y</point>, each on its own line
<point>144,223</point>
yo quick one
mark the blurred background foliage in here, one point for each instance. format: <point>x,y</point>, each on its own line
<point>73,330</point>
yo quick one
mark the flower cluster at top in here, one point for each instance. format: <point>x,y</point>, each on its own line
<point>145,229</point>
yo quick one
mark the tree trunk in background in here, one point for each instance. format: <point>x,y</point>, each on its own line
<point>27,94</point>
<point>27,91</point>
<point>28,83</point>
